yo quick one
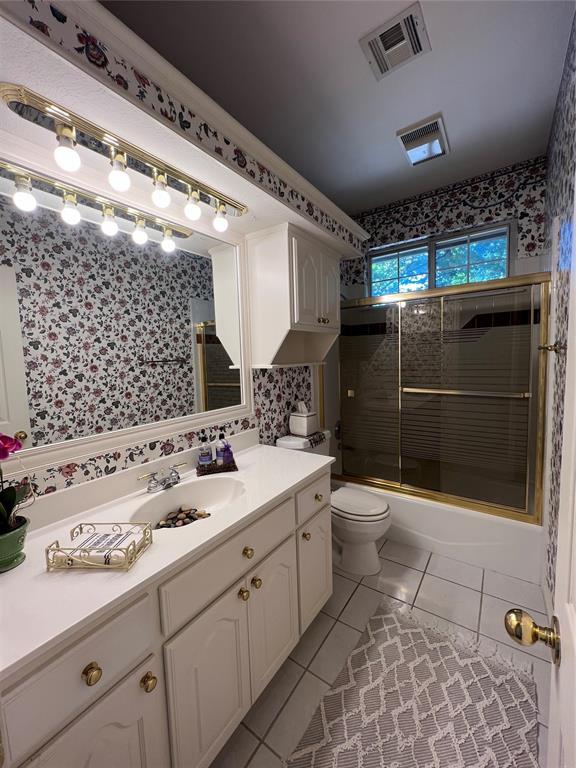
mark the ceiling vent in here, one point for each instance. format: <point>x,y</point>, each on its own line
<point>425,140</point>
<point>402,38</point>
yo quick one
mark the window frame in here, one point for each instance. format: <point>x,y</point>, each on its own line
<point>432,243</point>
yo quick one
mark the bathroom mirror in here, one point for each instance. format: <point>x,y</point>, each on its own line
<point>99,333</point>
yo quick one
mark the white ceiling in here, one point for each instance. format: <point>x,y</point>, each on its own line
<point>293,73</point>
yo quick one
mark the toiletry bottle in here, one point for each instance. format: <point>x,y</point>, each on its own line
<point>220,448</point>
<point>205,454</point>
<point>228,454</point>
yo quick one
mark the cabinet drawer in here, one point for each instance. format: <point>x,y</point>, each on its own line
<point>54,694</point>
<point>191,590</point>
<point>312,498</point>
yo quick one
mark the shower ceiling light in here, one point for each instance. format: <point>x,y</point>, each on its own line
<point>139,235</point>
<point>70,213</point>
<point>192,209</point>
<point>168,244</point>
<point>220,222</point>
<point>65,154</point>
<point>23,197</point>
<point>160,196</point>
<point>109,226</point>
<point>118,177</point>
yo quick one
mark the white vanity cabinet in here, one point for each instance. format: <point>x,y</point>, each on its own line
<point>314,565</point>
<point>125,729</point>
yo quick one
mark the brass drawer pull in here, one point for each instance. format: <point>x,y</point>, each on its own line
<point>244,594</point>
<point>92,673</point>
<point>306,535</point>
<point>256,582</point>
<point>318,497</point>
<point>148,682</point>
<point>248,552</point>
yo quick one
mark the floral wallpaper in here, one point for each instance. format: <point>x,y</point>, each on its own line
<point>560,202</point>
<point>515,192</point>
<point>70,37</point>
<point>92,308</point>
<point>276,392</point>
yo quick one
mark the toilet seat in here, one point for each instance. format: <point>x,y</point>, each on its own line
<point>361,506</point>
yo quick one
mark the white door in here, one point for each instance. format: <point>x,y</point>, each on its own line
<point>561,732</point>
<point>208,680</point>
<point>14,413</point>
<point>314,565</point>
<point>306,262</point>
<point>330,291</point>
<point>273,614</point>
<point>126,729</point>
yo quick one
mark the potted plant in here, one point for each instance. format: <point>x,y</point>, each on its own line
<point>12,526</point>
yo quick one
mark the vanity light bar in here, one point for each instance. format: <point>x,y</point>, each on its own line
<point>68,190</point>
<point>13,94</point>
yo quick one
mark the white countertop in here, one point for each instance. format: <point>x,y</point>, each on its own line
<point>39,609</point>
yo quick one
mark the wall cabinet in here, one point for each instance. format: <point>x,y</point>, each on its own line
<point>314,565</point>
<point>316,285</point>
<point>126,729</point>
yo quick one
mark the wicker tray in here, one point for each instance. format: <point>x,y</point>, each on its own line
<point>100,546</point>
<point>214,469</point>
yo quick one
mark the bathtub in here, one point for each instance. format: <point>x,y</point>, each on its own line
<point>489,541</point>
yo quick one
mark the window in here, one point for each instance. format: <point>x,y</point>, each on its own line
<point>467,257</point>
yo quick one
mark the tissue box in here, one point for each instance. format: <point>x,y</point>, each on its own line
<point>303,424</point>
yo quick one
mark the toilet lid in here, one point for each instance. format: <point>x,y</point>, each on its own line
<point>359,505</point>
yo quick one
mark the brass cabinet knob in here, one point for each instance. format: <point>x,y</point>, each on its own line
<point>319,319</point>
<point>148,682</point>
<point>244,594</point>
<point>523,629</point>
<point>21,435</point>
<point>92,673</point>
<point>248,552</point>
<point>256,582</point>
<point>318,497</point>
<point>306,535</point>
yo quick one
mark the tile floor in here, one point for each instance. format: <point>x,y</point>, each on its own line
<point>461,598</point>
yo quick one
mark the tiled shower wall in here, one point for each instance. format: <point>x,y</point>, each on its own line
<point>515,192</point>
<point>560,202</point>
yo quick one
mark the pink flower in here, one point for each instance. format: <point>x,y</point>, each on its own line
<point>8,445</point>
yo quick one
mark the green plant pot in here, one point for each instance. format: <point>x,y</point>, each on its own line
<point>12,545</point>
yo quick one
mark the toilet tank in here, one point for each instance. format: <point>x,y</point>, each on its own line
<point>295,443</point>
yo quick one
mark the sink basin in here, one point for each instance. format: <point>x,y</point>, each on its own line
<point>209,493</point>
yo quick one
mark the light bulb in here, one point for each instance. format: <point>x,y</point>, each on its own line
<point>160,195</point>
<point>109,226</point>
<point>23,197</point>
<point>220,222</point>
<point>65,154</point>
<point>70,213</point>
<point>118,177</point>
<point>168,244</point>
<point>139,235</point>
<point>192,210</point>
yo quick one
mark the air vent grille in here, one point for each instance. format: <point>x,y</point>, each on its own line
<point>396,42</point>
<point>424,132</point>
<point>425,140</point>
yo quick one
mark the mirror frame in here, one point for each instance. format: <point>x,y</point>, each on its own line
<point>55,454</point>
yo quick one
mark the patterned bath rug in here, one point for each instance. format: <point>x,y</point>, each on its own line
<point>411,696</point>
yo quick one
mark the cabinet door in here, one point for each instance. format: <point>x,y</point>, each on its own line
<point>273,614</point>
<point>306,262</point>
<point>208,680</point>
<point>125,729</point>
<point>314,565</point>
<point>330,291</point>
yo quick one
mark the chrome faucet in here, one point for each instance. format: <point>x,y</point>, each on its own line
<point>165,481</point>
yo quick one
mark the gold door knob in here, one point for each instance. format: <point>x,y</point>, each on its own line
<point>318,497</point>
<point>248,552</point>
<point>21,435</point>
<point>523,629</point>
<point>244,594</point>
<point>306,535</point>
<point>92,673</point>
<point>256,582</point>
<point>148,682</point>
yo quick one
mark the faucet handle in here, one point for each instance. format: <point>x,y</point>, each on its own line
<point>149,476</point>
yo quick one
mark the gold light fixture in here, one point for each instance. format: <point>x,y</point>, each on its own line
<point>70,213</point>
<point>66,155</point>
<point>109,224</point>
<point>118,177</point>
<point>220,222</point>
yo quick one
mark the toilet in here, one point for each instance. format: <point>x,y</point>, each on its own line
<point>359,517</point>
